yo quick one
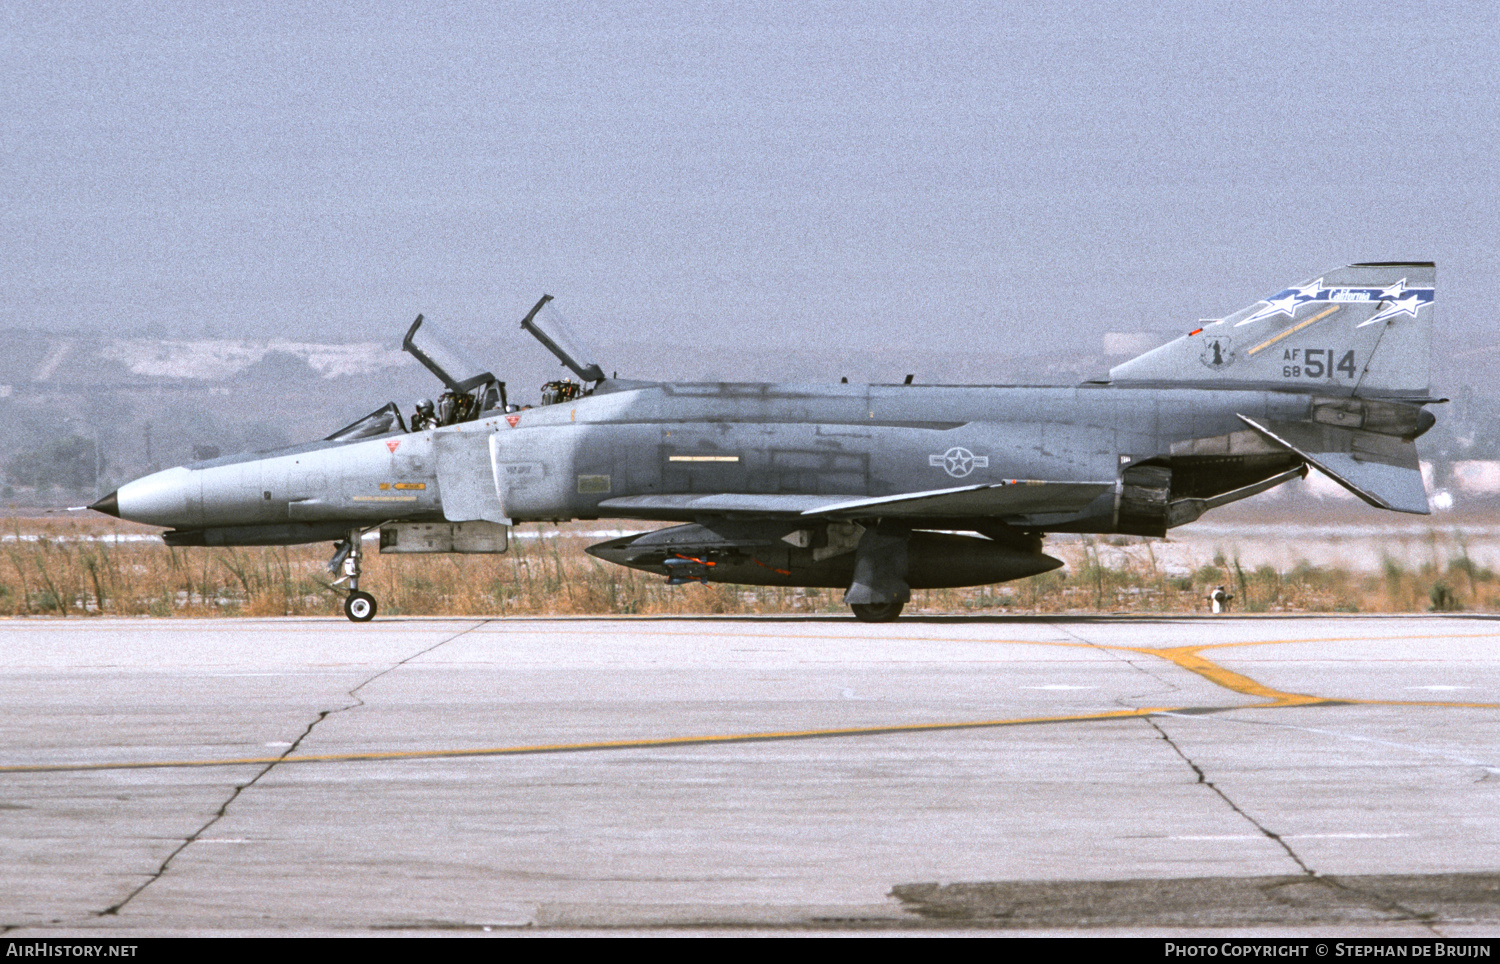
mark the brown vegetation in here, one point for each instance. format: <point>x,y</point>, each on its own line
<point>71,567</point>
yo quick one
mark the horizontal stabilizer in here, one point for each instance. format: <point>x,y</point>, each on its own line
<point>1381,469</point>
<point>1013,497</point>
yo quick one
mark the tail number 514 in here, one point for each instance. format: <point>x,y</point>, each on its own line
<point>1317,363</point>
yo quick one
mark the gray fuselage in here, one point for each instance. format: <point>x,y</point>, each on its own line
<point>567,461</point>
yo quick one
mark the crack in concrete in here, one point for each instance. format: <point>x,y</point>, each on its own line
<point>1205,781</point>
<point>1379,902</point>
<point>1150,669</point>
<point>114,909</point>
<point>1202,777</point>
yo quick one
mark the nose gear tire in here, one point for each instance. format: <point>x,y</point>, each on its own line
<point>359,607</point>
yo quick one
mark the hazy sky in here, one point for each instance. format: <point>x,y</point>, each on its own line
<point>1006,176</point>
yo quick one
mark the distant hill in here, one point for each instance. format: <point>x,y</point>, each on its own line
<point>41,359</point>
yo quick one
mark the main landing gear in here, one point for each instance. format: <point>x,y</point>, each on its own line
<point>358,606</point>
<point>874,612</point>
<point>880,591</point>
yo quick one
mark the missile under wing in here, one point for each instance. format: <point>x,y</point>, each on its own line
<point>877,489</point>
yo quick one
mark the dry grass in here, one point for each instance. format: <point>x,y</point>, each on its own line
<point>69,567</point>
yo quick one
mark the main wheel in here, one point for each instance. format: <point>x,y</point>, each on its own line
<point>359,607</point>
<point>877,612</point>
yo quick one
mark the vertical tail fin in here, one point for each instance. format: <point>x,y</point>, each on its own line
<point>1363,329</point>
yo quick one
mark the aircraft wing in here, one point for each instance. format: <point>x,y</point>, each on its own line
<point>988,500</point>
<point>687,506</point>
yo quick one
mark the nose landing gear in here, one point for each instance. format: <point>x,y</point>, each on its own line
<point>359,606</point>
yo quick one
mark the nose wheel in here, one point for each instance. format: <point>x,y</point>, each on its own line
<point>358,606</point>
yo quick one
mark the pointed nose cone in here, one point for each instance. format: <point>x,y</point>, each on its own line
<point>169,498</point>
<point>109,505</point>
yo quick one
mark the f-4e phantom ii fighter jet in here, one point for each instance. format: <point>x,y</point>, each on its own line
<point>876,489</point>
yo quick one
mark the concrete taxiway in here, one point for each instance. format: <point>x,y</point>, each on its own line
<point>1131,773</point>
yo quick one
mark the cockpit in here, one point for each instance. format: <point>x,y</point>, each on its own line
<point>469,391</point>
<point>383,421</point>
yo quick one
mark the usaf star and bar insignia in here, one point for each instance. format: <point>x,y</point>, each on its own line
<point>958,461</point>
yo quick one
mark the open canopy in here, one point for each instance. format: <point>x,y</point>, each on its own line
<point>452,363</point>
<point>549,327</point>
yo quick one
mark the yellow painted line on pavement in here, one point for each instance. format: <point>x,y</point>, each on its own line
<point>1442,703</point>
<point>1188,658</point>
<point>641,744</point>
<point>1343,639</point>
